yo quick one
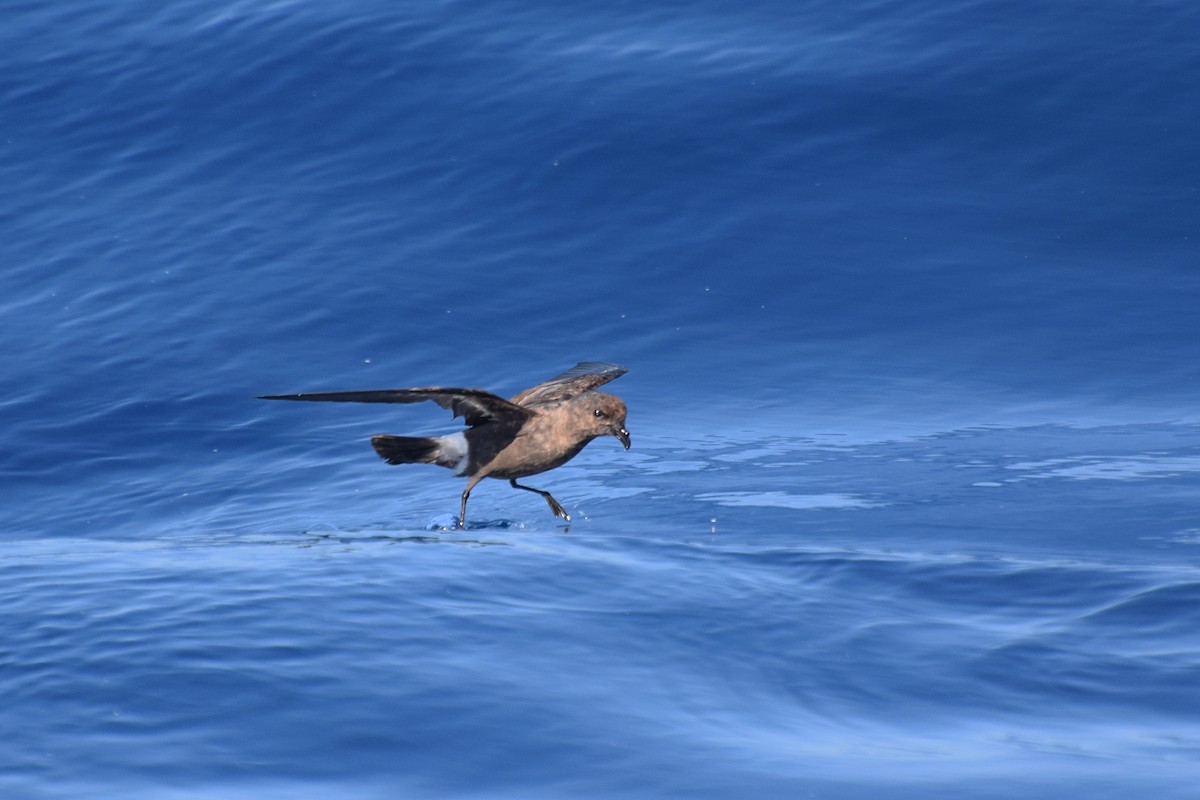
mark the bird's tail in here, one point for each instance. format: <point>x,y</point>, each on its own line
<point>406,449</point>
<point>445,451</point>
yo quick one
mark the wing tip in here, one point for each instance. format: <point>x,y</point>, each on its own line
<point>596,368</point>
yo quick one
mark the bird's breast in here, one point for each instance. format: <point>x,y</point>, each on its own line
<point>544,442</point>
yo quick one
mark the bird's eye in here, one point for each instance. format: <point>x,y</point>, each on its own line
<point>599,413</point>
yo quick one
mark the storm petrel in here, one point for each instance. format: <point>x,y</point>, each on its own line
<point>539,429</point>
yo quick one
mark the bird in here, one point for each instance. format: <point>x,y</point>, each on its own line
<point>536,430</point>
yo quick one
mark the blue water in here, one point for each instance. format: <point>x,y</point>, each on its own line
<point>908,295</point>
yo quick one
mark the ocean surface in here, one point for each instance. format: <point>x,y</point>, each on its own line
<point>909,293</point>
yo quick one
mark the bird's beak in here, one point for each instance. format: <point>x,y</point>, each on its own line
<point>623,436</point>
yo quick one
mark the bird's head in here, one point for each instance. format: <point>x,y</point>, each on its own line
<point>608,416</point>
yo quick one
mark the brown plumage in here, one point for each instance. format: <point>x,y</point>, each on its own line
<point>539,429</point>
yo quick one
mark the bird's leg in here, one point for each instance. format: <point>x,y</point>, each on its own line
<point>462,512</point>
<point>555,506</point>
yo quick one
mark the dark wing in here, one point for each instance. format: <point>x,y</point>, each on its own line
<point>583,377</point>
<point>474,405</point>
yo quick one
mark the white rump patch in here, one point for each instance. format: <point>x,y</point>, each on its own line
<point>454,452</point>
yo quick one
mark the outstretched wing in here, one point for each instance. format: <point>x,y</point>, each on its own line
<point>583,377</point>
<point>474,405</point>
